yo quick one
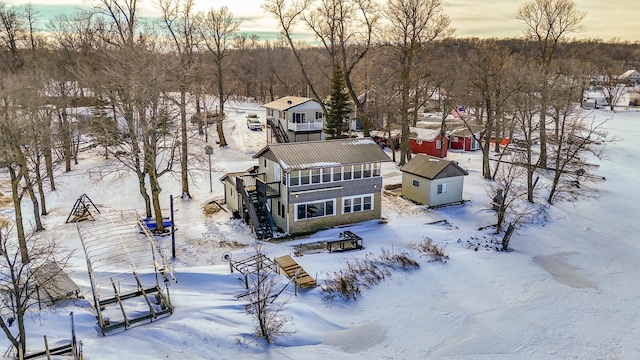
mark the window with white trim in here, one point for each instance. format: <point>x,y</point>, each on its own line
<point>438,144</point>
<point>319,115</point>
<point>442,188</point>
<point>299,118</point>
<point>358,203</point>
<point>416,183</point>
<point>315,209</point>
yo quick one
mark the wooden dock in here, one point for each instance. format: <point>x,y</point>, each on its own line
<point>294,270</point>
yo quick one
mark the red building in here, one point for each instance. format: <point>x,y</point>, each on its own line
<point>466,138</point>
<point>427,141</point>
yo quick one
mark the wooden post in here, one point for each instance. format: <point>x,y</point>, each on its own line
<point>46,348</point>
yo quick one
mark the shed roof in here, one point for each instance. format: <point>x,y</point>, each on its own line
<point>325,153</point>
<point>423,134</point>
<point>286,103</point>
<point>429,166</point>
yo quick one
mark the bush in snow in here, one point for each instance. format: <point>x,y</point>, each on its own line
<point>346,284</point>
<point>427,247</point>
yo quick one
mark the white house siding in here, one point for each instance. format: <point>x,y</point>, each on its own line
<point>418,194</point>
<point>453,194</point>
<point>231,197</point>
<point>269,168</point>
<point>427,192</point>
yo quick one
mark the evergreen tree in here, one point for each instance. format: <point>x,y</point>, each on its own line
<point>338,107</point>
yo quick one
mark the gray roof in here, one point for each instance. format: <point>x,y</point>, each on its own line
<point>325,153</point>
<point>464,131</point>
<point>286,103</point>
<point>430,167</point>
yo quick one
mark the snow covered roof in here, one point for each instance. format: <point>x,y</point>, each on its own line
<point>464,131</point>
<point>430,167</point>
<point>423,134</point>
<point>630,74</point>
<point>286,103</point>
<point>325,153</point>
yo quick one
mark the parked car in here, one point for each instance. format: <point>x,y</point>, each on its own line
<point>253,122</point>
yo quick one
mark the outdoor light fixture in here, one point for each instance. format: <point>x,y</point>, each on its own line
<point>209,150</point>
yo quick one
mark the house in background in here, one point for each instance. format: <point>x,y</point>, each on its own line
<point>294,119</point>
<point>427,141</point>
<point>432,181</point>
<point>467,138</point>
<point>303,187</point>
<point>631,76</point>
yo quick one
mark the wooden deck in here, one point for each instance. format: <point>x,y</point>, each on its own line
<point>293,269</point>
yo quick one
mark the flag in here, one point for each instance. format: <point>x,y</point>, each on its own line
<point>458,112</point>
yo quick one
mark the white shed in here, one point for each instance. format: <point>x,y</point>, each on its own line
<point>432,181</point>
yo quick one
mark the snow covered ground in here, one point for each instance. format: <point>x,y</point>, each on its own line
<point>568,290</point>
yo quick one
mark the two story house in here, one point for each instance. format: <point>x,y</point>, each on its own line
<point>308,186</point>
<point>294,119</point>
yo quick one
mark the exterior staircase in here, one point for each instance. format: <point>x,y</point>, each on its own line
<point>258,210</point>
<point>278,131</point>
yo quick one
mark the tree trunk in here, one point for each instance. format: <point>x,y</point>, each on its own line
<point>17,199</point>
<point>40,182</point>
<point>48,161</point>
<point>184,161</point>
<point>65,135</point>
<point>34,201</point>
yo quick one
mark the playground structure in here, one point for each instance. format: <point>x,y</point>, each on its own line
<point>126,268</point>
<point>82,210</point>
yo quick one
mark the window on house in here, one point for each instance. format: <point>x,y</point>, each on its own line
<point>438,144</point>
<point>416,183</point>
<point>279,209</point>
<point>357,203</point>
<point>442,188</point>
<point>326,175</point>
<point>366,171</point>
<point>376,169</point>
<point>315,176</point>
<point>315,209</point>
<point>337,173</point>
<point>294,178</point>
<point>347,172</point>
<point>299,118</point>
<point>266,165</point>
<point>367,203</point>
<point>304,177</point>
<point>357,171</point>
<point>319,115</point>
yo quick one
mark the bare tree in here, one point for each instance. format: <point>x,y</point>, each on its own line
<point>288,17</point>
<point>412,24</point>
<point>264,290</point>
<point>574,137</point>
<point>345,28</point>
<point>506,190</point>
<point>217,29</point>
<point>490,69</point>
<point>20,281</point>
<point>179,22</point>
<point>546,23</point>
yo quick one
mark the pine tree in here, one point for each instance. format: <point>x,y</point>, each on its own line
<point>338,107</point>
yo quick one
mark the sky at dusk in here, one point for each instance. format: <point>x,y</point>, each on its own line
<point>605,20</point>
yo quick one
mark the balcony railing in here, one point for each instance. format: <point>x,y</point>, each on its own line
<point>306,126</point>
